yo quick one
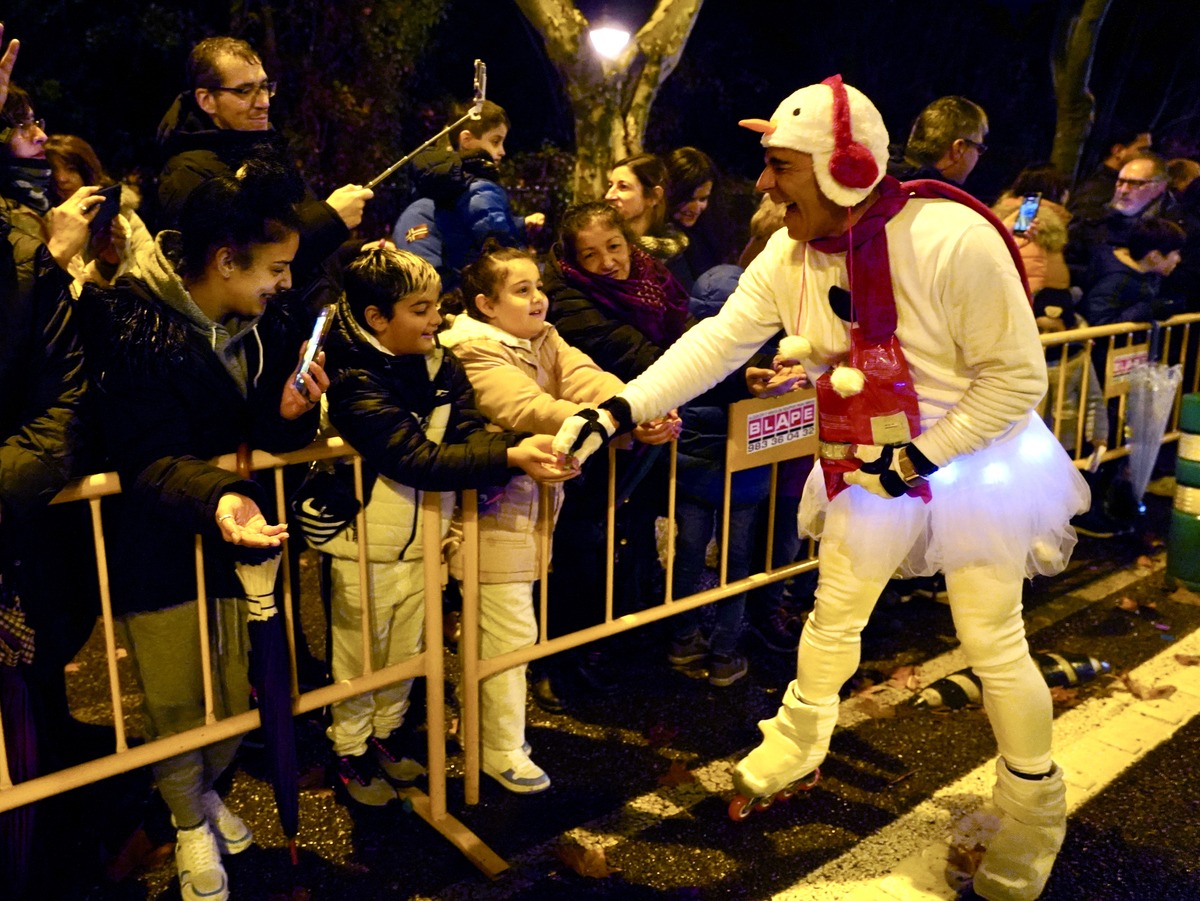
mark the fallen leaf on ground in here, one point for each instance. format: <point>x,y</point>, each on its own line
<point>906,678</point>
<point>963,861</point>
<point>1144,562</point>
<point>1183,595</point>
<point>870,689</point>
<point>1065,697</point>
<point>1127,604</point>
<point>661,735</point>
<point>1188,659</point>
<point>1145,692</point>
<point>874,709</point>
<point>588,862</point>
<point>678,774</point>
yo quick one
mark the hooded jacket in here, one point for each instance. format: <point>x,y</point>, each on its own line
<point>173,390</point>
<point>460,205</point>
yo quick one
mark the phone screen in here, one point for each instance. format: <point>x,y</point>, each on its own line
<point>315,342</point>
<point>1027,213</point>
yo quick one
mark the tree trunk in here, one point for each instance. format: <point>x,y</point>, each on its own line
<point>1072,68</point>
<point>610,99</point>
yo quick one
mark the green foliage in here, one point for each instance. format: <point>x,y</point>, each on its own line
<point>540,181</point>
<point>345,70</point>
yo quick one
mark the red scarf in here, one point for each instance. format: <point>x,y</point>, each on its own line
<point>868,263</point>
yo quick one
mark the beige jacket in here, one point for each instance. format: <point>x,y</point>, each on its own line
<point>527,386</point>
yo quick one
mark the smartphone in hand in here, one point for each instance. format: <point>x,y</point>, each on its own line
<point>315,342</point>
<point>107,209</point>
<point>1027,213</point>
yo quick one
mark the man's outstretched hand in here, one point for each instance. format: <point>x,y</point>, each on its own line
<point>582,434</point>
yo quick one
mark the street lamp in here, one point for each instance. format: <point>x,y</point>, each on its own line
<point>608,39</point>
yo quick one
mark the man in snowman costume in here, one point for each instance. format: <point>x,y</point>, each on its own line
<point>908,309</point>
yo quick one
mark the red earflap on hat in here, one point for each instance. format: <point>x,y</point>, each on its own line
<point>852,164</point>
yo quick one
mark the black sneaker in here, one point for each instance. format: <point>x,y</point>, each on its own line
<point>364,783</point>
<point>397,755</point>
<point>1096,524</point>
<point>779,631</point>
<point>725,669</point>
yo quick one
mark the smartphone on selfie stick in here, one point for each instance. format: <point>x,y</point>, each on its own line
<point>315,342</point>
<point>1027,213</point>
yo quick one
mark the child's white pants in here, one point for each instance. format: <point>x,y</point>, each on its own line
<point>397,633</point>
<point>507,624</point>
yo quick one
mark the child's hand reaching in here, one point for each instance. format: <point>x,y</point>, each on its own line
<point>535,456</point>
<point>659,431</point>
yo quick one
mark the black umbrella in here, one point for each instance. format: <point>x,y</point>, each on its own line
<point>270,676</point>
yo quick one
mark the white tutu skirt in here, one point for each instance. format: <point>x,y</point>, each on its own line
<point>1010,503</point>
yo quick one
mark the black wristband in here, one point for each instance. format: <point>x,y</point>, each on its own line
<point>618,408</point>
<point>892,483</point>
<point>922,464</point>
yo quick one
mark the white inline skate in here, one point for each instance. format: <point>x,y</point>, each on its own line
<point>794,743</point>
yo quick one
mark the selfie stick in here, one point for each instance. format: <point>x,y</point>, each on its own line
<point>474,113</point>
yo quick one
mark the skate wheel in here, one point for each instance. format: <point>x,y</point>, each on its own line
<point>740,808</point>
<point>764,803</point>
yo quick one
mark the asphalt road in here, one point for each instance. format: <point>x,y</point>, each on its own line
<point>641,777</point>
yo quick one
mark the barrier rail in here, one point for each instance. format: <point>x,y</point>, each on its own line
<point>742,453</point>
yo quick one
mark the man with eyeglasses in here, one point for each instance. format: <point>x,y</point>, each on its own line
<point>1139,193</point>
<point>945,143</point>
<point>224,120</point>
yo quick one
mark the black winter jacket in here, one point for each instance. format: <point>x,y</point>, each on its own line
<point>196,150</point>
<point>166,405</point>
<point>41,369</point>
<point>379,403</point>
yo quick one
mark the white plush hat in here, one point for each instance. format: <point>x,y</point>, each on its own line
<point>842,130</point>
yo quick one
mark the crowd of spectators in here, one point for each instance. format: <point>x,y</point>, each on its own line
<point>192,348</point>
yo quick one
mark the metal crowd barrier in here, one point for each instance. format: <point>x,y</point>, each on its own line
<point>762,432</point>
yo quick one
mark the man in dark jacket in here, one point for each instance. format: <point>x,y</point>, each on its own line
<point>222,120</point>
<point>945,143</point>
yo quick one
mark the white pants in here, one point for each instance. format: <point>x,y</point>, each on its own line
<point>985,602</point>
<point>397,593</point>
<point>507,624</point>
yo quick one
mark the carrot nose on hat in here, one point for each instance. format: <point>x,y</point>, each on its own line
<point>759,125</point>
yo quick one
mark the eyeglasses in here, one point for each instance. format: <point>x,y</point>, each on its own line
<point>1136,183</point>
<point>981,149</point>
<point>251,91</point>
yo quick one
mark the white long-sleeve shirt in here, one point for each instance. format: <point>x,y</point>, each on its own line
<point>963,321</point>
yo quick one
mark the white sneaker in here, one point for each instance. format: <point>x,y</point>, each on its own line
<point>515,771</point>
<point>232,834</point>
<point>201,876</point>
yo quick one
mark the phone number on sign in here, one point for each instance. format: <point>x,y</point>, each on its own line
<point>781,426</point>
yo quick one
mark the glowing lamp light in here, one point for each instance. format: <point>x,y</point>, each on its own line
<point>608,40</point>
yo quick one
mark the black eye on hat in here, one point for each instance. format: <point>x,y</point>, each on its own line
<point>796,111</point>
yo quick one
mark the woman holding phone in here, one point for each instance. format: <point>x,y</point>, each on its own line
<point>118,236</point>
<point>194,358</point>
<point>26,193</point>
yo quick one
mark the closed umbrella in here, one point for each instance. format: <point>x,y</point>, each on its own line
<point>270,675</point>
<point>1152,390</point>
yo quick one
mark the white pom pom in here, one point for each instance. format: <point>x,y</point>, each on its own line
<point>795,347</point>
<point>847,381</point>
<point>1048,554</point>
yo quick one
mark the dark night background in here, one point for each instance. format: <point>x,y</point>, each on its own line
<point>107,70</point>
